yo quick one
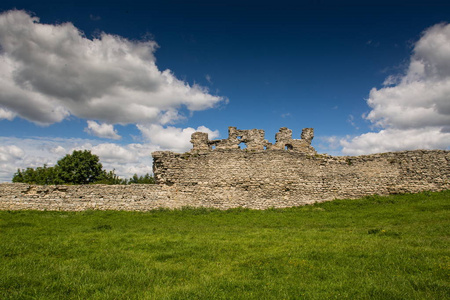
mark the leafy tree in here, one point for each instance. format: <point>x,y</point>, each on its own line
<point>48,175</point>
<point>146,179</point>
<point>18,176</point>
<point>40,175</point>
<point>111,178</point>
<point>80,167</point>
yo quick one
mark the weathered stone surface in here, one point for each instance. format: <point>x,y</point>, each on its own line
<point>283,140</point>
<point>254,139</point>
<point>280,178</point>
<point>200,141</point>
<point>140,197</point>
<point>229,177</point>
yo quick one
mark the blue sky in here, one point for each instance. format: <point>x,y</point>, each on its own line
<point>368,76</point>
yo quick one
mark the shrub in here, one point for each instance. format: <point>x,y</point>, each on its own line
<point>80,167</point>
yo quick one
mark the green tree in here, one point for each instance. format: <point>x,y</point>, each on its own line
<point>146,179</point>
<point>80,167</point>
<point>18,176</point>
<point>110,178</point>
<point>40,175</point>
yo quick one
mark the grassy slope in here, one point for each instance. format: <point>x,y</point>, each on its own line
<point>393,247</point>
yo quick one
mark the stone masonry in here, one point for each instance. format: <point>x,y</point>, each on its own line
<point>254,140</point>
<point>219,174</point>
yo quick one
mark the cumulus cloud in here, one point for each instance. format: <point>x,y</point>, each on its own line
<point>112,153</point>
<point>9,156</point>
<point>413,109</point>
<point>126,160</point>
<point>104,130</point>
<point>58,150</point>
<point>12,156</point>
<point>8,153</point>
<point>172,138</point>
<point>396,140</point>
<point>6,114</point>
<point>49,72</point>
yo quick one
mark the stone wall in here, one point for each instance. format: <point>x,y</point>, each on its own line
<point>254,139</point>
<point>287,173</point>
<point>254,179</point>
<point>280,178</point>
<point>140,197</point>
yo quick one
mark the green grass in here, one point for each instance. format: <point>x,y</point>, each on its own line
<point>393,247</point>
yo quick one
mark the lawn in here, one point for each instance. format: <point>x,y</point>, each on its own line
<point>394,247</point>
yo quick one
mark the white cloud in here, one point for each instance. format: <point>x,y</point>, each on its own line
<point>412,105</point>
<point>126,159</point>
<point>6,114</point>
<point>396,140</point>
<point>113,153</point>
<point>172,138</point>
<point>413,109</point>
<point>9,156</point>
<point>28,153</point>
<point>35,152</point>
<point>8,153</point>
<point>49,72</point>
<point>58,150</point>
<point>392,80</point>
<point>102,130</point>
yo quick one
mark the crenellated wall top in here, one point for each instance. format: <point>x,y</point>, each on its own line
<point>254,139</point>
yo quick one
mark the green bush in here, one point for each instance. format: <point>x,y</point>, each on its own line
<point>40,175</point>
<point>146,179</point>
<point>80,167</point>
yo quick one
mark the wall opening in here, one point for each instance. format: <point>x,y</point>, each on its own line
<point>265,147</point>
<point>288,147</point>
<point>213,147</point>
<point>242,145</point>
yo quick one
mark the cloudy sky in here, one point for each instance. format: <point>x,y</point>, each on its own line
<point>126,79</point>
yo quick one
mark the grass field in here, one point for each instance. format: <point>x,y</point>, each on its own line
<point>394,247</point>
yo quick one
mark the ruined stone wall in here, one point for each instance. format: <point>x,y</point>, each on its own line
<point>278,178</point>
<point>254,139</point>
<point>254,179</point>
<point>140,197</point>
<point>221,175</point>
